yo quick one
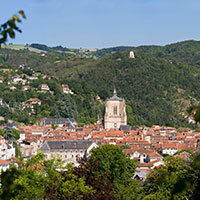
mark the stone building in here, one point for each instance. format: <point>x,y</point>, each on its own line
<point>69,151</point>
<point>131,55</point>
<point>115,112</point>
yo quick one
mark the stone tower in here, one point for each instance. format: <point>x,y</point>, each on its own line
<point>131,55</point>
<point>115,112</point>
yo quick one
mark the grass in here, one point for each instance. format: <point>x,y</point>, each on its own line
<point>21,47</point>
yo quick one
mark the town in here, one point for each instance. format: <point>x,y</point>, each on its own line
<point>62,138</point>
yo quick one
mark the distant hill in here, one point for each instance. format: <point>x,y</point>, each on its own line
<point>187,52</point>
<point>158,85</point>
<point>22,47</point>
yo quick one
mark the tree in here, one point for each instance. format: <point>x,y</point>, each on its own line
<point>194,111</point>
<point>39,179</point>
<point>118,168</point>
<point>99,182</point>
<point>164,182</point>
<point>9,27</point>
<point>111,160</point>
<point>12,134</point>
<point>66,107</point>
<point>191,181</point>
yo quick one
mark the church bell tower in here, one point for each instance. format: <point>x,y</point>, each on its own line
<point>115,112</point>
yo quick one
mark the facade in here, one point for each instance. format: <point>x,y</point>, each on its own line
<point>4,165</point>
<point>69,151</point>
<point>7,150</point>
<point>68,122</point>
<point>115,112</point>
<point>43,87</point>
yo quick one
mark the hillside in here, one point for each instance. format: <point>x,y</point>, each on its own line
<point>158,85</point>
<point>156,90</point>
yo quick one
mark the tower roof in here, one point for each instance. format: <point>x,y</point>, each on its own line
<point>115,97</point>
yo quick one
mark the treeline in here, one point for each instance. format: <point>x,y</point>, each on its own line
<point>48,49</point>
<point>108,174</point>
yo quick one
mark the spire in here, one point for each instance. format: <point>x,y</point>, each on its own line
<point>115,97</point>
<point>115,92</point>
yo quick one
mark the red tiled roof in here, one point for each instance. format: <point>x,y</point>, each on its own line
<point>4,162</point>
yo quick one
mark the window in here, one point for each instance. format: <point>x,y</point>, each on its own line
<point>115,110</point>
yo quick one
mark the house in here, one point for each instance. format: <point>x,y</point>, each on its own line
<point>185,155</point>
<point>142,174</point>
<point>59,122</point>
<point>169,148</point>
<point>26,88</point>
<point>30,145</point>
<point>32,77</point>
<point>1,80</point>
<point>66,89</point>
<point>11,87</point>
<point>16,79</point>
<point>34,101</point>
<point>27,105</point>
<point>7,150</point>
<point>4,165</point>
<point>69,151</point>
<point>124,128</point>
<point>46,77</point>
<point>37,130</point>
<point>43,87</point>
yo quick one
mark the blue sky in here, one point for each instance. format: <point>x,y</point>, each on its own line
<point>104,23</point>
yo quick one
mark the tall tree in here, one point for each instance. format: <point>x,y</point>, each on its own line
<point>118,168</point>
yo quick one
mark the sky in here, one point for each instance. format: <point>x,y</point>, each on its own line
<point>104,23</point>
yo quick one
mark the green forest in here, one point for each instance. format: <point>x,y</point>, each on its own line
<point>159,85</point>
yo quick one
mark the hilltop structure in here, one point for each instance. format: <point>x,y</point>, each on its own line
<point>131,55</point>
<point>115,112</point>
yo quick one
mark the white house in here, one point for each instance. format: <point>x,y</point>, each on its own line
<point>16,79</point>
<point>11,87</point>
<point>7,150</point>
<point>66,89</point>
<point>32,77</point>
<point>43,87</point>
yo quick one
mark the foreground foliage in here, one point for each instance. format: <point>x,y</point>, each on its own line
<point>107,175</point>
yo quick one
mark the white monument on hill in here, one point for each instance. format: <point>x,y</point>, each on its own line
<point>132,55</point>
<point>115,112</point>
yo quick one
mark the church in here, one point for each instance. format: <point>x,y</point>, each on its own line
<point>115,112</point>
